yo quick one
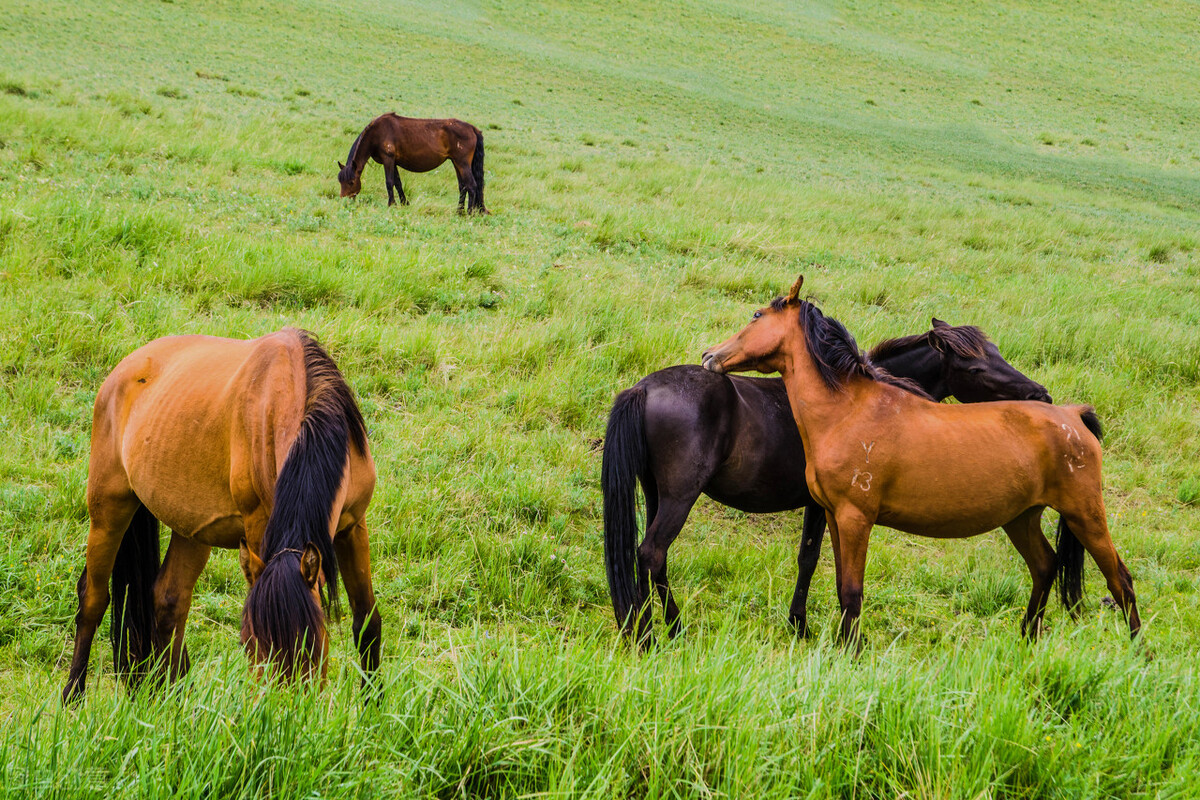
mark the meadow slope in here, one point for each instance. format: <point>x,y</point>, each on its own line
<point>655,173</point>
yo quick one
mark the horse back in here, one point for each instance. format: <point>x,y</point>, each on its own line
<point>201,425</point>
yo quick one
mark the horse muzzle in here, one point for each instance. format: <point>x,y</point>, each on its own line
<point>711,362</point>
<point>1040,395</point>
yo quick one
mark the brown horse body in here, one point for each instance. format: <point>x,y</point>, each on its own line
<point>417,145</point>
<point>879,454</point>
<point>252,445</point>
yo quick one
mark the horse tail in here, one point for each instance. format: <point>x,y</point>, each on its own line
<point>1070,550</point>
<point>279,607</point>
<point>133,575</point>
<point>477,169</point>
<point>625,459</point>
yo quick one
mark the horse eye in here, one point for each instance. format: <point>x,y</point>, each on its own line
<point>756,315</point>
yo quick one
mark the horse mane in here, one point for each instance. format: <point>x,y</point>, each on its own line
<point>963,340</point>
<point>966,341</point>
<point>347,172</point>
<point>279,608</point>
<point>836,354</point>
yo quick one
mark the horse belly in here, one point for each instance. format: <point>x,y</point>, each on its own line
<point>957,504</point>
<point>420,162</point>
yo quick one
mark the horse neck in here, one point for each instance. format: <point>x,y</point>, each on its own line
<point>362,148</point>
<point>920,363</point>
<point>815,406</point>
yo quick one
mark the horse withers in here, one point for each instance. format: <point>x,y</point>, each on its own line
<point>684,431</point>
<point>878,454</point>
<point>417,145</point>
<point>256,446</point>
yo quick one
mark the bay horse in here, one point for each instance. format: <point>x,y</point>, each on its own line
<point>684,431</point>
<point>251,445</point>
<point>876,453</point>
<point>417,145</point>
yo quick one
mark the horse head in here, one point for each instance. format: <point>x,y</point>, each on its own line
<point>756,346</point>
<point>350,180</point>
<point>283,625</point>
<point>973,369</point>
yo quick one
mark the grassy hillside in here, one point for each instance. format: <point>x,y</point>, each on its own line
<point>655,173</point>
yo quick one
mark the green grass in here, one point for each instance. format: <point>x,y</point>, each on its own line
<point>655,174</point>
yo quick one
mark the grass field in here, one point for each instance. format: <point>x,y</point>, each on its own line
<point>655,173</point>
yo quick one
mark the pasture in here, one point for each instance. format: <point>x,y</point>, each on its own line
<point>654,175</point>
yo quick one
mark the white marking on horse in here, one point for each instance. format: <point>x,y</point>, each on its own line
<point>1074,456</point>
<point>868,448</point>
<point>862,480</point>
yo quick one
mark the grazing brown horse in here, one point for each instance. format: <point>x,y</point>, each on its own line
<point>417,145</point>
<point>250,445</point>
<point>684,431</point>
<point>879,454</point>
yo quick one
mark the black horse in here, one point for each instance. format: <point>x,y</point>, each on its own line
<point>684,431</point>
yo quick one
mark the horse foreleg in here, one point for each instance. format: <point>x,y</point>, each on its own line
<point>110,518</point>
<point>173,589</point>
<point>851,531</point>
<point>354,563</point>
<point>1025,532</point>
<point>810,553</point>
<point>399,185</point>
<point>389,176</point>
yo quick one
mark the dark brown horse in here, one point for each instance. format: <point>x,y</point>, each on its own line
<point>417,145</point>
<point>684,431</point>
<point>252,445</point>
<point>878,454</point>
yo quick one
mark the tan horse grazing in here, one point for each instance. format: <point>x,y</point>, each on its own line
<point>879,454</point>
<point>250,445</point>
<point>417,145</point>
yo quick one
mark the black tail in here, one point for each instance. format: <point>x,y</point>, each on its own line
<point>625,459</point>
<point>1070,549</point>
<point>477,171</point>
<point>133,577</point>
<point>279,606</point>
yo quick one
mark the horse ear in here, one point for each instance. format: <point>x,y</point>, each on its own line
<point>310,564</point>
<point>937,323</point>
<point>794,294</point>
<point>252,566</point>
<point>341,165</point>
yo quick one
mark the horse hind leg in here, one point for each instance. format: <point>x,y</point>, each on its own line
<point>111,513</point>
<point>670,515</point>
<point>1025,532</point>
<point>1091,529</point>
<point>466,187</point>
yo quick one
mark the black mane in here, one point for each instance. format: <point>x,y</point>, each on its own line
<point>347,172</point>
<point>966,341</point>
<point>836,354</point>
